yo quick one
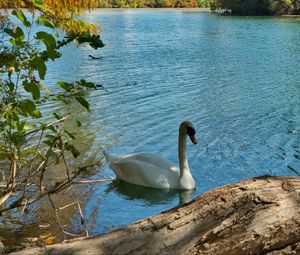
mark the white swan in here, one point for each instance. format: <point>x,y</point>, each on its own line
<point>154,171</point>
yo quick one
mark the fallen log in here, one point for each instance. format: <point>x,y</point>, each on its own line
<point>257,216</point>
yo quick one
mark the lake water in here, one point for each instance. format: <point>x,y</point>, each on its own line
<point>236,78</point>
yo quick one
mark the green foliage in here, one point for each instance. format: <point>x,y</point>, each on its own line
<point>204,3</point>
<point>76,90</point>
<point>257,7</point>
<point>28,144</point>
<point>153,3</point>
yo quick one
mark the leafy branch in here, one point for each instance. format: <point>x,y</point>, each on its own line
<point>30,147</point>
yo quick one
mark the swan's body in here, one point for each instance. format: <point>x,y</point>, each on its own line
<point>154,171</point>
<point>147,170</point>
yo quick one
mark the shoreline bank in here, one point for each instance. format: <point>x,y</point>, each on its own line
<point>156,9</point>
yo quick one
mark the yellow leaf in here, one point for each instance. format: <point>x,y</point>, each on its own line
<point>49,240</point>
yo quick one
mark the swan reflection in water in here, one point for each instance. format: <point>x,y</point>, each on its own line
<point>150,196</point>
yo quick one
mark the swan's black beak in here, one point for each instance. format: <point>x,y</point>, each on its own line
<point>192,134</point>
<point>193,139</point>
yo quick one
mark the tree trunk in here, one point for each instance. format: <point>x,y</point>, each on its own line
<point>257,216</point>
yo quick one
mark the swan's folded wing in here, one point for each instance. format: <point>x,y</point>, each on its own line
<point>147,170</point>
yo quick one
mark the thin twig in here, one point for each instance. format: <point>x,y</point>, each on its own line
<point>48,125</point>
<point>18,203</point>
<point>42,186</point>
<point>83,221</point>
<point>70,234</point>
<point>36,150</point>
<point>75,195</point>
<point>24,207</point>
<point>43,167</point>
<point>56,215</point>
<point>66,206</point>
<point>13,173</point>
<point>5,197</point>
<point>66,165</point>
<point>93,181</point>
<point>12,182</point>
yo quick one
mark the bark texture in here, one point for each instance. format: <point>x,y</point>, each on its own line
<point>257,216</point>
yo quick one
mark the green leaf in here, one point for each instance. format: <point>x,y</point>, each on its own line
<point>40,66</point>
<point>29,107</point>
<point>29,151</point>
<point>52,129</point>
<point>13,41</point>
<point>9,32</point>
<point>96,42</point>
<point>20,15</point>
<point>69,134</point>
<point>51,53</point>
<point>49,143</point>
<point>47,39</point>
<point>33,88</point>
<point>57,116</point>
<point>53,155</point>
<point>4,147</point>
<point>86,84</point>
<point>51,138</point>
<point>83,102</point>
<point>20,126</point>
<point>11,86</point>
<point>74,151</point>
<point>46,22</point>
<point>5,155</point>
<point>40,156</point>
<point>18,138</point>
<point>36,114</point>
<point>66,86</point>
<point>18,35</point>
<point>12,115</point>
<point>78,123</point>
<point>93,40</point>
<point>63,100</point>
<point>28,127</point>
<point>39,6</point>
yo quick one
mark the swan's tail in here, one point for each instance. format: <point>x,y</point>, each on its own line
<point>108,158</point>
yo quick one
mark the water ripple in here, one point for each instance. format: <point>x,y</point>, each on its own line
<point>236,78</point>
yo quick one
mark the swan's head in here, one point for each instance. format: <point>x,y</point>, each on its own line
<point>190,130</point>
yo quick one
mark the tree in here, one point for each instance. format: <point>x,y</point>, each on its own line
<point>167,3</point>
<point>203,3</point>
<point>187,3</point>
<point>154,3</point>
<point>118,3</point>
<point>296,7</point>
<point>28,148</point>
<point>257,7</point>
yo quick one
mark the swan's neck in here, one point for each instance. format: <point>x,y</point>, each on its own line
<point>186,180</point>
<point>183,163</point>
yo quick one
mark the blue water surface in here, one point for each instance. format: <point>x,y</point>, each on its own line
<point>236,78</point>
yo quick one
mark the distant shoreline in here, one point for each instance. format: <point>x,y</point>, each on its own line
<point>156,9</point>
<point>147,9</point>
<point>204,10</point>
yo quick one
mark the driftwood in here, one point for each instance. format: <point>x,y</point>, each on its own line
<point>257,216</point>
